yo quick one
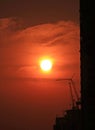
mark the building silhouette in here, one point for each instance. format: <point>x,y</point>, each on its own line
<point>87,51</point>
<point>70,121</point>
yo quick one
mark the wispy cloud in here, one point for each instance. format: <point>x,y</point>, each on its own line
<point>21,48</point>
<point>45,34</point>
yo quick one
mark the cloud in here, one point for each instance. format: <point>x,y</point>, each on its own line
<point>9,24</point>
<point>51,34</point>
<point>8,28</point>
<point>46,34</point>
<point>20,48</point>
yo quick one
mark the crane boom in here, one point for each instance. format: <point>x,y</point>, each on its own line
<point>71,84</point>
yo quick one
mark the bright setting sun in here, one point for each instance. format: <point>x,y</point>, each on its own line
<point>46,65</point>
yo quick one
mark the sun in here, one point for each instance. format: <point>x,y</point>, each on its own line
<point>46,65</point>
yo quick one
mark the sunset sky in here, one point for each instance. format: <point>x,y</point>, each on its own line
<point>30,31</point>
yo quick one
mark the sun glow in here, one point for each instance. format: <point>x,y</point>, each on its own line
<point>46,65</point>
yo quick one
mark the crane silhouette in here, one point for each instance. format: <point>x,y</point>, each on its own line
<point>75,102</point>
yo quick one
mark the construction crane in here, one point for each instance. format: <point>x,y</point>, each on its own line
<point>75,102</point>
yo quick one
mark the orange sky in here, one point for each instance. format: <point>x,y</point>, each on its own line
<point>20,52</point>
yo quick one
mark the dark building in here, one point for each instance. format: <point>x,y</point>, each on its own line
<point>87,49</point>
<point>70,121</point>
